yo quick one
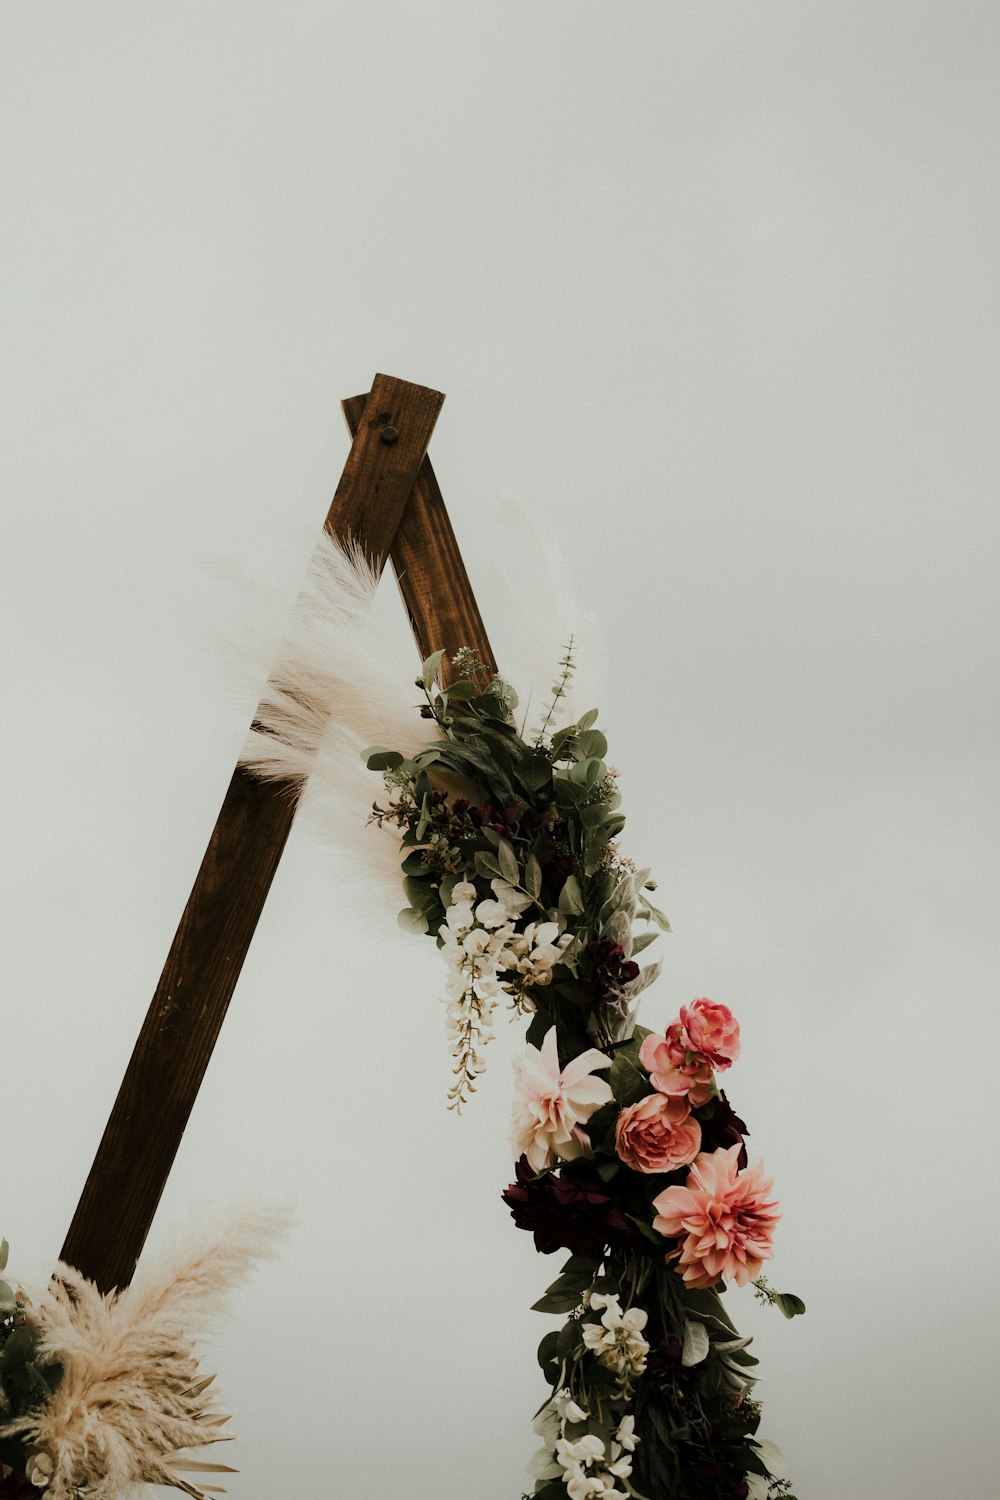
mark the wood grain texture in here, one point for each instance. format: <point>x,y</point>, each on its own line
<point>175,1044</point>
<point>429,569</point>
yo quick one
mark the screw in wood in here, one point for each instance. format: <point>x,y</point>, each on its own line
<point>388,434</point>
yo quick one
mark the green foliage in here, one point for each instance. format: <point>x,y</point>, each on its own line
<point>542,818</point>
<point>25,1380</point>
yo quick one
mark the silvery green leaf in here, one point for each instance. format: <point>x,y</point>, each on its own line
<point>622,898</point>
<point>586,720</point>
<point>4,1252</point>
<point>642,940</point>
<point>789,1304</point>
<point>645,979</point>
<point>696,1343</point>
<point>654,913</point>
<point>430,669</point>
<point>731,1345</point>
<point>571,898</point>
<point>533,878</point>
<point>486,865</point>
<point>619,929</point>
<point>412,921</point>
<point>509,867</point>
<point>771,1456</point>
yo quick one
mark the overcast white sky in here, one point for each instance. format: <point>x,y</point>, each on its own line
<point>712,290</point>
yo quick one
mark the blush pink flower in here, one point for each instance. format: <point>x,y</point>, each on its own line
<point>725,1216</point>
<point>658,1134</point>
<point>673,1067</point>
<point>705,1038</point>
<point>550,1106</point>
<point>713,1032</point>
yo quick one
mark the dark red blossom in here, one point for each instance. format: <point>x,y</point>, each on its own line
<point>721,1127</point>
<point>612,970</point>
<point>571,1211</point>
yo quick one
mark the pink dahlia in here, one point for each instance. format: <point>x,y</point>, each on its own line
<point>725,1216</point>
<point>551,1105</point>
<point>659,1134</point>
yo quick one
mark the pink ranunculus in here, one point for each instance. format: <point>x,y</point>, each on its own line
<point>673,1067</point>
<point>725,1216</point>
<point>713,1032</point>
<point>659,1134</point>
<point>550,1106</point>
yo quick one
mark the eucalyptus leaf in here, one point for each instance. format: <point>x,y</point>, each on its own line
<point>412,921</point>
<point>789,1304</point>
<point>533,878</point>
<point>591,742</point>
<point>378,758</point>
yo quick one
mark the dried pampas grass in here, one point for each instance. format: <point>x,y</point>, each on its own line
<point>132,1406</point>
<point>336,687</point>
<point>338,684</point>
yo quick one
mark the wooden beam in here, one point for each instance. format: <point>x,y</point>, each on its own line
<point>168,1063</point>
<point>429,568</point>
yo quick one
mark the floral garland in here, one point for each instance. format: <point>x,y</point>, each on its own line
<point>629,1154</point>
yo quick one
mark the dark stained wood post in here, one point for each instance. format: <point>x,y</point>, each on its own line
<point>392,430</point>
<point>429,568</point>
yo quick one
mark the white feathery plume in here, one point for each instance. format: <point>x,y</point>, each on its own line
<point>336,687</point>
<point>132,1403</point>
<point>338,684</point>
<point>525,564</point>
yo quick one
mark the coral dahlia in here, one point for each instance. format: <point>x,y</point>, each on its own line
<point>725,1216</point>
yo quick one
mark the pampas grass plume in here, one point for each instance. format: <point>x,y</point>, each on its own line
<point>132,1403</point>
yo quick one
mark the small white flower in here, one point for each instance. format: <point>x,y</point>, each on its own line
<point>617,1340</point>
<point>463,894</point>
<point>574,1413</point>
<point>626,1433</point>
<point>491,913</point>
<point>39,1469</point>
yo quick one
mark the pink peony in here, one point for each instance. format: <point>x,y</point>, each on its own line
<point>725,1216</point>
<point>713,1032</point>
<point>550,1107</point>
<point>658,1134</point>
<point>706,1037</point>
<point>673,1067</point>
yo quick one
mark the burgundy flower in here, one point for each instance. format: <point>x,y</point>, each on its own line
<point>572,1211</point>
<point>612,970</point>
<point>721,1126</point>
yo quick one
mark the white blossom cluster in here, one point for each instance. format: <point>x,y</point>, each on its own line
<point>585,1466</point>
<point>486,957</point>
<point>617,1339</point>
